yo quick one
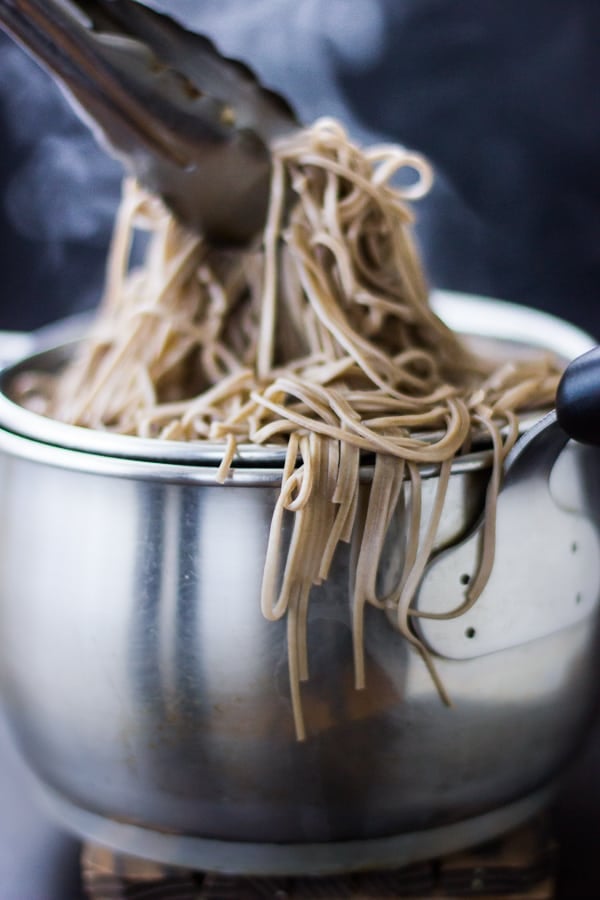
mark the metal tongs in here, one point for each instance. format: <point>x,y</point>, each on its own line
<point>190,125</point>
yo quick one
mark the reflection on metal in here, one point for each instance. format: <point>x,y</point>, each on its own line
<point>546,573</point>
<point>143,685</point>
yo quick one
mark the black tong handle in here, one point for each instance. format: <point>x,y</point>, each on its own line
<point>578,399</point>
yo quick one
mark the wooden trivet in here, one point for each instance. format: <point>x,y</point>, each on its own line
<point>519,866</point>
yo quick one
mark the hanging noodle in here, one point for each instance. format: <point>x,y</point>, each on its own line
<point>320,339</point>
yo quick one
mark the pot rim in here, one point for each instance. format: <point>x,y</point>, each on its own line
<point>173,472</point>
<point>26,433</point>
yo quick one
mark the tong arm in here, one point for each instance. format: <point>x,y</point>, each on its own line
<point>191,125</point>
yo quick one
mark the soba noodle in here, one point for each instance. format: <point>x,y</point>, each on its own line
<point>320,339</point>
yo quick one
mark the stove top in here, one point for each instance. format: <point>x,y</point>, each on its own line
<point>520,866</point>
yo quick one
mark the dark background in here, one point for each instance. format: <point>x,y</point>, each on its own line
<point>501,95</point>
<point>503,98</point>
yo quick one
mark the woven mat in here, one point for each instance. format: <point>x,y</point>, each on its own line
<point>517,867</point>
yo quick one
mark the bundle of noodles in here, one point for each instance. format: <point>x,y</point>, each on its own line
<point>320,339</point>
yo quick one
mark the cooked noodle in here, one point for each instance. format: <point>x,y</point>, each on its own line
<point>322,340</point>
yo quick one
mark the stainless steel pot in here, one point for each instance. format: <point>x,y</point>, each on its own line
<point>150,698</point>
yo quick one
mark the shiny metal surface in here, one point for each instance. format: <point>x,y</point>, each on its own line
<point>143,684</point>
<point>547,558</point>
<point>488,318</point>
<point>326,858</point>
<point>145,689</point>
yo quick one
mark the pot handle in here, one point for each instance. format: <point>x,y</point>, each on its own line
<point>578,399</point>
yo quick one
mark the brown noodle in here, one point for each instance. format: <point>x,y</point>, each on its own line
<point>321,339</point>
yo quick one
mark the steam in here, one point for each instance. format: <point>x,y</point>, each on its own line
<point>64,188</point>
<point>292,46</point>
<point>56,178</point>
